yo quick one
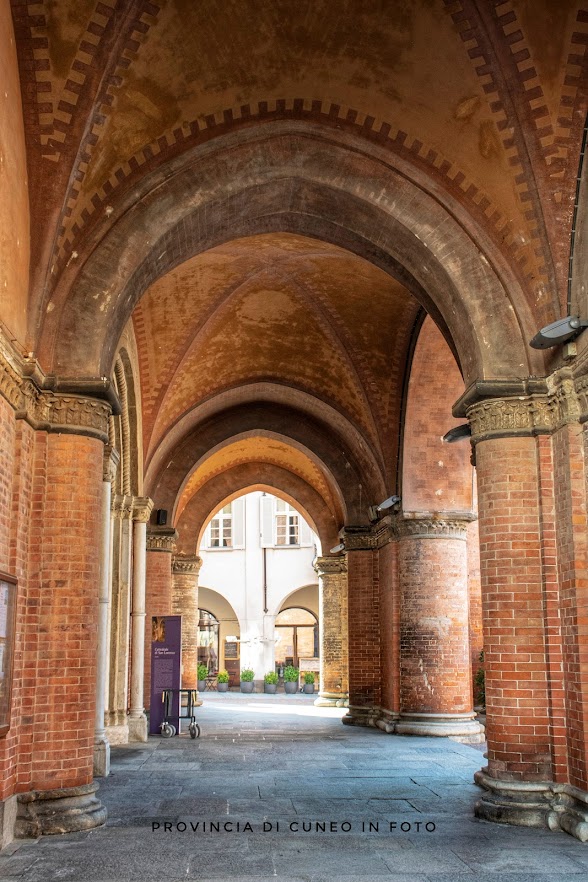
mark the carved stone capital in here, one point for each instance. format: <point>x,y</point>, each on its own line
<point>565,401</point>
<point>369,537</point>
<point>359,538</point>
<point>330,566</point>
<point>110,463</point>
<point>122,507</point>
<point>10,378</point>
<point>142,508</point>
<point>161,539</point>
<point>510,417</point>
<point>186,565</point>
<point>433,525</point>
<point>37,399</point>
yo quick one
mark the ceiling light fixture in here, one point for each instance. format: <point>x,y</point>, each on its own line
<point>458,433</point>
<point>558,332</point>
<point>375,511</point>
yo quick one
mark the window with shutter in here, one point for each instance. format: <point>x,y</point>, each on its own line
<point>267,521</point>
<point>239,522</point>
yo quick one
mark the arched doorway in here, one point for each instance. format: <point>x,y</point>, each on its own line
<point>297,637</point>
<point>208,641</point>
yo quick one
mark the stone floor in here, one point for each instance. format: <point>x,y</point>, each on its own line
<point>281,761</point>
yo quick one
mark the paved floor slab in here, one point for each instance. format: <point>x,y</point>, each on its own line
<point>281,790</point>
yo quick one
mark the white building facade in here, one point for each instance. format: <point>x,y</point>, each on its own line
<point>258,592</point>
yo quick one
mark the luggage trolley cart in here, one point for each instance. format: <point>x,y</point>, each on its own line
<point>167,696</point>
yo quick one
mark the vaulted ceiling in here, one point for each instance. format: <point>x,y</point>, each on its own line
<point>487,97</point>
<point>483,102</point>
<point>282,309</point>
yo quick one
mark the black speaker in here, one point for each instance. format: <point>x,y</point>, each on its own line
<point>161,516</point>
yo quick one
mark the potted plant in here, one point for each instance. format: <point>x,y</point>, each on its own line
<point>291,675</point>
<point>247,683</point>
<point>202,675</point>
<point>270,683</point>
<point>480,684</point>
<point>222,681</point>
<point>308,683</point>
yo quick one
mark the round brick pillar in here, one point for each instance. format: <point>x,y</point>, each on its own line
<point>435,670</point>
<point>158,588</point>
<point>185,604</point>
<point>61,635</point>
<point>515,606</point>
<point>363,600</point>
<point>333,623</point>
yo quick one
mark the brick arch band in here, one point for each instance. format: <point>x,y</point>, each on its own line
<point>294,177</point>
<point>354,476</point>
<point>245,478</point>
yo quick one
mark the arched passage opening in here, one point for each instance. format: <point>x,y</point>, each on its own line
<point>347,229</point>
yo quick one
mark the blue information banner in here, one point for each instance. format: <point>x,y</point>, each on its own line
<point>166,667</point>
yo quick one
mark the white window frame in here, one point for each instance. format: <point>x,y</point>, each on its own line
<point>236,518</point>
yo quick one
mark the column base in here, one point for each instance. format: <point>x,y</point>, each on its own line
<point>8,811</point>
<point>458,727</point>
<point>101,757</point>
<point>332,699</point>
<point>387,720</point>
<point>67,810</point>
<point>117,734</point>
<point>361,716</point>
<point>138,728</point>
<point>533,804</point>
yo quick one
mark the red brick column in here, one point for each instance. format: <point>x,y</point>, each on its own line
<point>158,589</point>
<point>363,580</point>
<point>389,635</point>
<point>570,446</point>
<point>185,572</point>
<point>516,605</point>
<point>61,635</point>
<point>435,671</point>
<point>475,599</point>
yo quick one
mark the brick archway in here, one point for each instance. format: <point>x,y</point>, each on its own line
<point>294,177</point>
<point>245,478</point>
<point>356,478</point>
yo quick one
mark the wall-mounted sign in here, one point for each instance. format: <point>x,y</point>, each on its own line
<point>166,666</point>
<point>7,628</point>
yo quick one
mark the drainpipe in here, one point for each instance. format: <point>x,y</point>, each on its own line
<point>264,550</point>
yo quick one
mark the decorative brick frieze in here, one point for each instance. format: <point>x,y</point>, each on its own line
<point>161,539</point>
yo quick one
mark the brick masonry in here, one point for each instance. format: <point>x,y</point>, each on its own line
<point>158,602</point>
<point>435,673</point>
<point>61,614</point>
<point>185,603</point>
<point>364,629</point>
<point>517,689</point>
